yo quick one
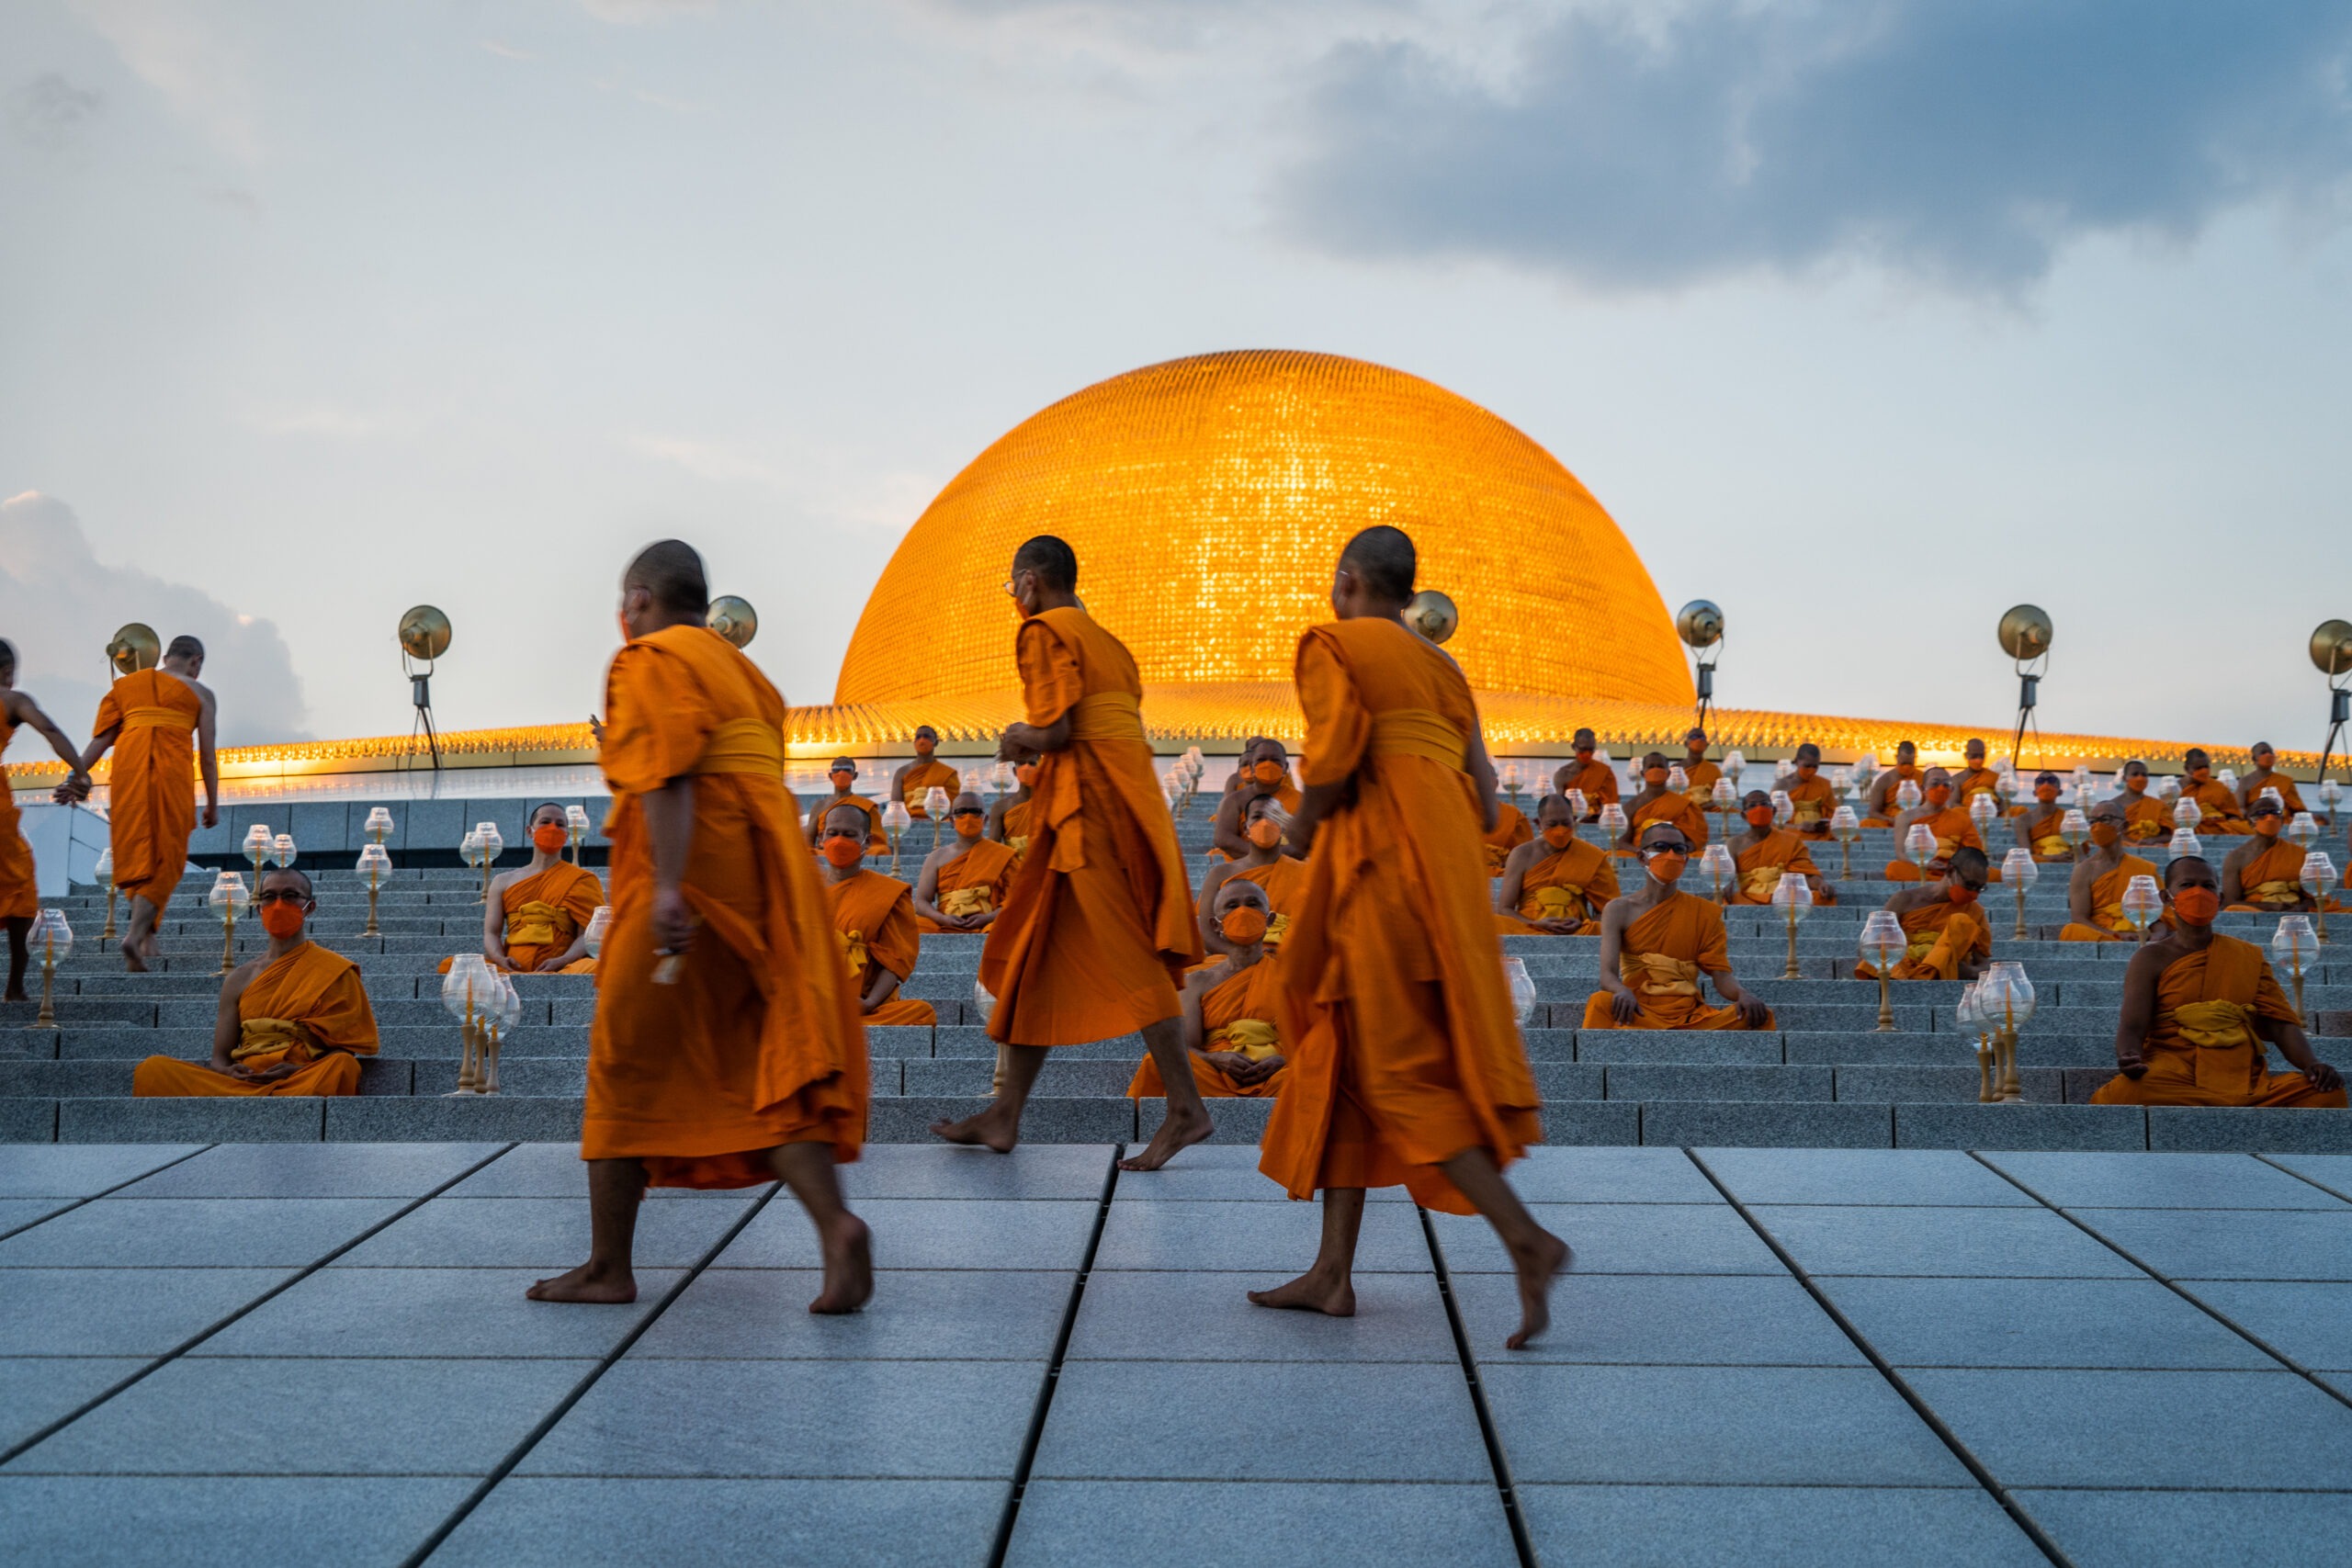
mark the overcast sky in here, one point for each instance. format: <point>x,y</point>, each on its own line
<point>1865,320</point>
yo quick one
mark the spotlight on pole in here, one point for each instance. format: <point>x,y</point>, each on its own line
<point>135,648</point>
<point>424,637</point>
<point>1700,624</point>
<point>1433,614</point>
<point>733,619</point>
<point>2332,652</point>
<point>2025,636</point>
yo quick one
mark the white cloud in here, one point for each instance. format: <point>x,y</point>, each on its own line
<point>202,75</point>
<point>506,51</point>
<point>49,111</point>
<point>59,603</point>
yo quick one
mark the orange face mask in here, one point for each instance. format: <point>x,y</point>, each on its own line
<point>1026,773</point>
<point>968,824</point>
<point>2106,834</point>
<point>1266,832</point>
<point>1243,924</point>
<point>1668,867</point>
<point>281,919</point>
<point>1938,795</point>
<point>1758,816</point>
<point>841,781</point>
<point>1654,775</point>
<point>1557,836</point>
<point>1961,895</point>
<point>2136,782</point>
<point>844,852</point>
<point>2046,794</point>
<point>1269,773</point>
<point>550,836</point>
<point>2268,825</point>
<point>2198,905</point>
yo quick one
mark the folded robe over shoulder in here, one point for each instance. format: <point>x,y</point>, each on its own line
<point>874,917</point>
<point>1663,954</point>
<point>1237,1015</point>
<point>974,883</point>
<point>2202,1050</point>
<point>309,1007</point>
<point>2273,880</point>
<point>151,787</point>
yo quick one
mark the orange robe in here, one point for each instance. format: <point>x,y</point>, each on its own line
<point>1699,781</point>
<point>1943,936</point>
<point>972,884</point>
<point>1976,781</point>
<point>2145,818</point>
<point>1284,882</point>
<point>1238,1014</point>
<point>151,796</point>
<point>1673,809</point>
<point>874,919</point>
<point>1403,1051</point>
<point>1873,820</point>
<point>2288,795</point>
<point>2202,1049</point>
<point>2106,903</point>
<point>921,777</point>
<point>2041,833</point>
<point>1760,866</point>
<point>2272,881</point>
<point>1598,782</point>
<point>2220,804</point>
<point>1662,953</point>
<point>1952,828</point>
<point>308,1008</point>
<point>545,914</point>
<point>1016,827</point>
<point>19,889</point>
<point>1567,885</point>
<point>876,841</point>
<point>756,1040</point>
<point>1814,800</point>
<point>1099,921</point>
<point>1511,829</point>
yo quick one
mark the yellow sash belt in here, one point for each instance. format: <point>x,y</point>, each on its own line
<point>1808,812</point>
<point>1277,928</point>
<point>1759,883</point>
<point>1418,732</point>
<point>269,1036</point>
<point>2276,892</point>
<point>2214,1026</point>
<point>1658,974</point>
<point>2049,848</point>
<point>966,901</point>
<point>853,952</point>
<point>1560,901</point>
<point>1107,716</point>
<point>1251,1037</point>
<point>742,746</point>
<point>534,924</point>
<point>157,718</point>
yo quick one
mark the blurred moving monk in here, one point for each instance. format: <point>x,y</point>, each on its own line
<point>1764,852</point>
<point>925,773</point>
<point>2095,890</point>
<point>874,919</point>
<point>536,920</point>
<point>962,884</point>
<point>1098,926</point>
<point>1405,1066</point>
<point>1657,941</point>
<point>1947,936</point>
<point>1557,884</point>
<point>293,1020</point>
<point>727,1049</point>
<point>19,886</point>
<point>1231,1033</point>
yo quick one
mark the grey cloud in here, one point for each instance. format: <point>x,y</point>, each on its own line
<point>47,111</point>
<point>1965,141</point>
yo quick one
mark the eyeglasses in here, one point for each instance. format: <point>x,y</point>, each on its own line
<point>281,896</point>
<point>1651,852</point>
<point>969,811</point>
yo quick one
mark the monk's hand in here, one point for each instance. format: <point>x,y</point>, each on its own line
<point>2132,1064</point>
<point>268,1075</point>
<point>1752,1010</point>
<point>1566,926</point>
<point>550,966</point>
<point>2324,1077</point>
<point>673,919</point>
<point>1623,1006</point>
<point>1232,1064</point>
<point>211,815</point>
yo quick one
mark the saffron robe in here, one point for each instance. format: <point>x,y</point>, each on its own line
<point>1699,782</point>
<point>2202,1050</point>
<point>2250,788</point>
<point>1976,781</point>
<point>922,778</point>
<point>2145,818</point>
<point>1099,921</point>
<point>19,889</point>
<point>874,919</point>
<point>755,1040</point>
<point>1511,829</point>
<point>1941,936</point>
<point>974,883</point>
<point>1660,957</point>
<point>1952,828</point>
<point>1598,782</point>
<point>151,796</point>
<point>1673,809</point>
<point>1238,1014</point>
<point>1814,801</point>
<point>308,1008</point>
<point>1871,818</point>
<point>2219,805</point>
<point>545,914</point>
<point>1567,885</point>
<point>876,841</point>
<point>1760,866</point>
<point>1284,883</point>
<point>1016,826</point>
<point>2041,824</point>
<point>2272,881</point>
<point>2106,903</point>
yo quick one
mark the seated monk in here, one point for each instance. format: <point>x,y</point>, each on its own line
<point>2197,1010</point>
<point>1510,831</point>
<point>1880,804</point>
<point>536,920</point>
<point>2095,891</point>
<point>2038,826</point>
<point>1231,1033</point>
<point>1240,775</point>
<point>1764,851</point>
<point>844,773</point>
<point>1952,827</point>
<point>925,773</point>
<point>1558,883</point>
<point>1280,876</point>
<point>1264,774</point>
<point>2145,816</point>
<point>293,1020</point>
<point>1975,778</point>
<point>1949,937</point>
<point>1699,774</point>
<point>1589,773</point>
<point>2266,776</point>
<point>2212,796</point>
<point>874,919</point>
<point>1655,942</point>
<point>1811,798</point>
<point>1655,803</point>
<point>2265,874</point>
<point>962,884</point>
<point>1008,819</point>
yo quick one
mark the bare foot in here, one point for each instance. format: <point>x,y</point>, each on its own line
<point>996,1128</point>
<point>849,1268</point>
<point>1535,1263</point>
<point>133,961</point>
<point>151,948</point>
<point>587,1283</point>
<point>16,996</point>
<point>1312,1291</point>
<point>1179,1130</point>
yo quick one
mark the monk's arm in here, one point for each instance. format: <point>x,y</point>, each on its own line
<point>926,892</point>
<point>494,924</point>
<point>2234,878</point>
<point>1051,737</point>
<point>572,954</point>
<point>2139,1014</point>
<point>1622,1004</point>
<point>2296,1047</point>
<point>98,748</point>
<point>884,985</point>
<point>1314,803</point>
<point>2078,891</point>
<point>1752,1008</point>
<point>899,784</point>
<point>669,833</point>
<point>1481,768</point>
<point>29,712</point>
<point>1211,880</point>
<point>1196,1032</point>
<point>208,760</point>
<point>1511,886</point>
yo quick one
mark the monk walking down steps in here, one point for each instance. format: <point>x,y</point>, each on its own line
<point>1404,1062</point>
<point>727,1049</point>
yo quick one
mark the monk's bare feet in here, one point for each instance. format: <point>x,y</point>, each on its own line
<point>133,960</point>
<point>1535,1263</point>
<point>997,1128</point>
<point>587,1283</point>
<point>16,996</point>
<point>849,1268</point>
<point>1178,1132</point>
<point>1334,1295</point>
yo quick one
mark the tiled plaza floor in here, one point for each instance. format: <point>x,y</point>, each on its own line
<point>320,1354</point>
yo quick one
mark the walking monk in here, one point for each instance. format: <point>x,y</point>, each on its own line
<point>19,890</point>
<point>1947,936</point>
<point>1557,884</point>
<point>536,920</point>
<point>1764,852</point>
<point>1405,1067</point>
<point>1657,941</point>
<point>150,717</point>
<point>912,781</point>
<point>2095,891</point>
<point>2263,876</point>
<point>874,921</point>
<point>2145,816</point>
<point>1231,1033</point>
<point>727,1049</point>
<point>1098,926</point>
<point>292,1021</point>
<point>1655,803</point>
<point>2197,1010</point>
<point>962,884</point>
<point>1589,773</point>
<point>1281,877</point>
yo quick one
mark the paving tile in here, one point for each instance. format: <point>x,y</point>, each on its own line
<point>1261,1421</point>
<point>2207,1244</point>
<point>1568,1122</point>
<point>1075,1171</point>
<point>2037,1322</point>
<point>1767,1124</point>
<point>1726,1426</point>
<point>446,1312</point>
<point>313,1170</point>
<point>15,1213</point>
<point>2162,1181</point>
<point>121,1312</point>
<point>266,1119</point>
<point>2309,1323</point>
<point>2007,1243</point>
<point>2283,1130</point>
<point>1621,1238</point>
<point>35,1391</point>
<point>556,1171</point>
<point>928,1233</point>
<point>215,1232</point>
<point>2331,1171</point>
<point>214,1521</point>
<point>1551,1174</point>
<point>622,1522</point>
<point>367,1119</point>
<point>877,1419</point>
<point>1661,1319</point>
<point>28,1122</point>
<point>2192,1530</point>
<point>1162,1524</point>
<point>1774,1526</point>
<point>1970,1126</point>
<point>1205,1316</point>
<point>2127,1428</point>
<point>534,1233</point>
<point>198,1417</point>
<point>1278,1239</point>
<point>1929,1177</point>
<point>1224,1172</point>
<point>80,1170</point>
<point>916,1314</point>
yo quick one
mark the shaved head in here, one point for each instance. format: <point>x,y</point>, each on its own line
<point>1383,558</point>
<point>845,821</point>
<point>1054,563</point>
<point>2183,864</point>
<point>1970,864</point>
<point>671,572</point>
<point>289,873</point>
<point>184,647</point>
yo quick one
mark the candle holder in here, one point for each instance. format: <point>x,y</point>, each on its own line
<point>2009,1000</point>
<point>103,873</point>
<point>1919,847</point>
<point>1972,1022</point>
<point>935,805</point>
<point>2074,826</point>
<point>2319,875</point>
<point>2293,946</point>
<point>576,823</point>
<point>1847,827</point>
<point>1512,781</point>
<point>1907,795</point>
<point>282,854</point>
<point>463,991</point>
<point>1579,805</point>
<point>2302,829</point>
<point>55,937</point>
<point>1522,990</point>
<point>1612,823</point>
<point>1792,896</point>
<point>2019,870</point>
<point>598,924</point>
<point>228,892</point>
<point>2143,902</point>
<point>1784,810</point>
<point>2183,842</point>
<point>2187,812</point>
<point>380,823</point>
<point>374,861</point>
<point>896,819</point>
<point>1721,800</point>
<point>1981,809</point>
<point>260,844</point>
<point>490,842</point>
<point>1716,859</point>
<point>1883,941</point>
<point>1000,781</point>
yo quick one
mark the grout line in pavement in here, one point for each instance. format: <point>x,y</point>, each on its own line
<point>109,1192</point>
<point>1926,1412</point>
<point>1036,1433</point>
<point>2310,1180</point>
<point>1507,1490</point>
<point>182,1348</point>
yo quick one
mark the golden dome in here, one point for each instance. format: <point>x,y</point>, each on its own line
<point>1207,500</point>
